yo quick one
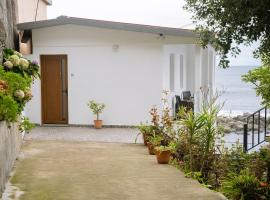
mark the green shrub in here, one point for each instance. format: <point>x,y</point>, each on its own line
<point>145,129</point>
<point>242,186</point>
<point>14,62</point>
<point>16,76</point>
<point>26,125</point>
<point>18,86</point>
<point>15,81</point>
<point>236,159</point>
<point>8,108</point>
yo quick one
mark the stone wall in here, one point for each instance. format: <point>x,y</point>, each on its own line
<point>10,144</point>
<point>8,20</point>
<point>10,138</point>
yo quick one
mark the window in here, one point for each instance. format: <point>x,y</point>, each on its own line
<point>210,68</point>
<point>181,65</point>
<point>172,72</point>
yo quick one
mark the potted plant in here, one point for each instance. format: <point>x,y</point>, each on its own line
<point>97,109</point>
<point>145,130</point>
<point>153,141</point>
<point>163,153</point>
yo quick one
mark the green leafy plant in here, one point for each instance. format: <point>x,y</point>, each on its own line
<point>265,158</point>
<point>236,159</point>
<point>155,139</point>
<point>96,108</point>
<point>145,130</point>
<point>18,87</point>
<point>198,176</point>
<point>259,77</point>
<point>26,125</point>
<point>192,124</point>
<point>16,76</point>
<point>242,186</point>
<point>171,147</point>
<point>209,132</point>
<point>226,24</point>
<point>8,108</point>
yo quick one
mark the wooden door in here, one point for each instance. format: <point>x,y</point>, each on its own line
<point>54,90</point>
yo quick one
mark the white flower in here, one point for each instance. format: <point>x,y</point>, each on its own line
<point>28,94</point>
<point>18,54</point>
<point>8,64</point>
<point>24,63</point>
<point>19,94</point>
<point>15,60</point>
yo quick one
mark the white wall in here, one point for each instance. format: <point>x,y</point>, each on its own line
<point>27,10</point>
<point>199,69</point>
<point>128,80</point>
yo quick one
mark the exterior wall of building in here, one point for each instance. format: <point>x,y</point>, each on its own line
<point>125,70</point>
<point>197,70</point>
<point>27,10</point>
<point>30,10</point>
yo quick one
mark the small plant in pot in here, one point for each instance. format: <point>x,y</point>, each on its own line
<point>163,153</point>
<point>146,131</point>
<point>153,141</point>
<point>97,109</point>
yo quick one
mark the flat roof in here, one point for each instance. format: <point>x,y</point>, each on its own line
<point>64,20</point>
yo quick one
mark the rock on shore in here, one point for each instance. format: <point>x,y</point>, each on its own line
<point>232,124</point>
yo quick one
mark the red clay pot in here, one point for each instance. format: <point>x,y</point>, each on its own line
<point>263,184</point>
<point>163,157</point>
<point>151,148</point>
<point>98,124</point>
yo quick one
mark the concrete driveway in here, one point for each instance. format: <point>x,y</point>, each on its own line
<point>85,170</point>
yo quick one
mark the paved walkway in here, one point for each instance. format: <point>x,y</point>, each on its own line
<point>61,169</point>
<point>117,135</point>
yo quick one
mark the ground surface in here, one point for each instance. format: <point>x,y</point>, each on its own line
<point>118,135</point>
<point>84,170</point>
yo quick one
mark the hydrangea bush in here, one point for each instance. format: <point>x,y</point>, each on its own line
<point>16,77</point>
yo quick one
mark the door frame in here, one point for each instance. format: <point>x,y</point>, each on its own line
<point>42,86</point>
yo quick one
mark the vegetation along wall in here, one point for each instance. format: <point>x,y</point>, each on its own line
<point>16,76</point>
<point>10,140</point>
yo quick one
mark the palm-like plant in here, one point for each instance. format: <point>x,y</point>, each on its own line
<point>192,124</point>
<point>210,130</point>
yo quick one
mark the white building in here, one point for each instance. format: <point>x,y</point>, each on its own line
<point>32,10</point>
<point>126,66</point>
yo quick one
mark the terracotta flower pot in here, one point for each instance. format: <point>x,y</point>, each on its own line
<point>263,184</point>
<point>163,157</point>
<point>151,148</point>
<point>98,124</point>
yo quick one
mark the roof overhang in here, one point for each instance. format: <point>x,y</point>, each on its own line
<point>64,20</point>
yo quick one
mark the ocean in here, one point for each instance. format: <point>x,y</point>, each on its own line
<point>239,97</point>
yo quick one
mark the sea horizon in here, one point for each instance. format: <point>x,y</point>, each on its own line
<point>238,97</point>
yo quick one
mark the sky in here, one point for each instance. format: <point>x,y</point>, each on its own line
<point>168,13</point>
